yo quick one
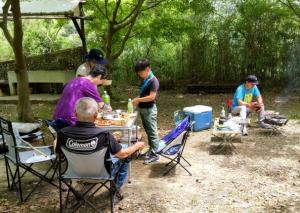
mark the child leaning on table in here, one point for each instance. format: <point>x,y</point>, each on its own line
<point>146,104</point>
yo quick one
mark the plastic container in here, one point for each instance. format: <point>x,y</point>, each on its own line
<point>202,115</point>
<point>130,106</point>
<point>106,98</point>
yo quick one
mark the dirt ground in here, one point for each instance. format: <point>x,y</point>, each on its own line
<point>263,176</point>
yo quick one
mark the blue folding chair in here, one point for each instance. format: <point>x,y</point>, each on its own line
<point>173,144</point>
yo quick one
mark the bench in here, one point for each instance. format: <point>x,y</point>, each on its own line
<point>41,76</point>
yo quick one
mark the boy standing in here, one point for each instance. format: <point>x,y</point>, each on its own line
<point>146,103</point>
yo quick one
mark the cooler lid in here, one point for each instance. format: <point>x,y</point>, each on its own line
<point>197,109</point>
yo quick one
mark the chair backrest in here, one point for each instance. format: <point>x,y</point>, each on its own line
<point>86,165</point>
<point>9,139</point>
<point>177,130</point>
<point>175,140</point>
<point>174,146</point>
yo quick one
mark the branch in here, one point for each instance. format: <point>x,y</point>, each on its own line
<point>291,6</point>
<point>119,52</point>
<point>100,10</point>
<point>154,5</point>
<point>130,14</point>
<point>282,2</point>
<point>132,19</point>
<point>106,10</point>
<point>115,12</point>
<point>293,9</point>
<point>3,24</point>
<point>56,34</point>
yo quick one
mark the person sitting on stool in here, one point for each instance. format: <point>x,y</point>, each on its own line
<point>243,102</point>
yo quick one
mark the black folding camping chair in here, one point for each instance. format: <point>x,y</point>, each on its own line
<point>96,175</point>
<point>20,157</point>
<point>173,144</point>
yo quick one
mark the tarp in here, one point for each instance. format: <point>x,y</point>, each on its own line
<point>47,7</point>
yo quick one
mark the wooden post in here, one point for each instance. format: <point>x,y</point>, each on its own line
<point>81,12</point>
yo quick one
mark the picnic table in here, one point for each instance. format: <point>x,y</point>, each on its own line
<point>227,136</point>
<point>129,125</point>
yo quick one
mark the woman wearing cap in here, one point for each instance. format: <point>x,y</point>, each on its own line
<point>243,102</point>
<point>94,57</point>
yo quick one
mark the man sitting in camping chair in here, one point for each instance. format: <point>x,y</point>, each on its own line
<point>85,137</point>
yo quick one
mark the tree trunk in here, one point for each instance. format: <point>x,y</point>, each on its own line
<point>24,106</point>
<point>109,44</point>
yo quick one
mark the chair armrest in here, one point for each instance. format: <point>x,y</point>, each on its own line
<point>36,147</point>
<point>29,146</point>
<point>32,135</point>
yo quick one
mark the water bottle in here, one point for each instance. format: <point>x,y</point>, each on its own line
<point>130,106</point>
<point>229,115</point>
<point>106,100</point>
<point>222,116</point>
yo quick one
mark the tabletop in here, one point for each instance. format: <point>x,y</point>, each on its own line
<point>129,123</point>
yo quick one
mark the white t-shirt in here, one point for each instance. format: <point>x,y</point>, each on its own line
<point>83,70</point>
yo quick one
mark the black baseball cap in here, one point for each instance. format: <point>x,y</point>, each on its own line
<point>97,55</point>
<point>252,79</point>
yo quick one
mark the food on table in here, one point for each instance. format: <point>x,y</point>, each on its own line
<point>108,116</point>
<point>114,122</point>
<point>113,118</point>
<point>124,115</point>
<point>100,122</point>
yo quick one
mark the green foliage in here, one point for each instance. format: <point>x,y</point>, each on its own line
<point>42,36</point>
<point>6,52</point>
<point>49,36</point>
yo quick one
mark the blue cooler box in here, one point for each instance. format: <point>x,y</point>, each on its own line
<point>202,115</point>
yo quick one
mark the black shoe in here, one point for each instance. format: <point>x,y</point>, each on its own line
<point>153,158</point>
<point>118,197</point>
